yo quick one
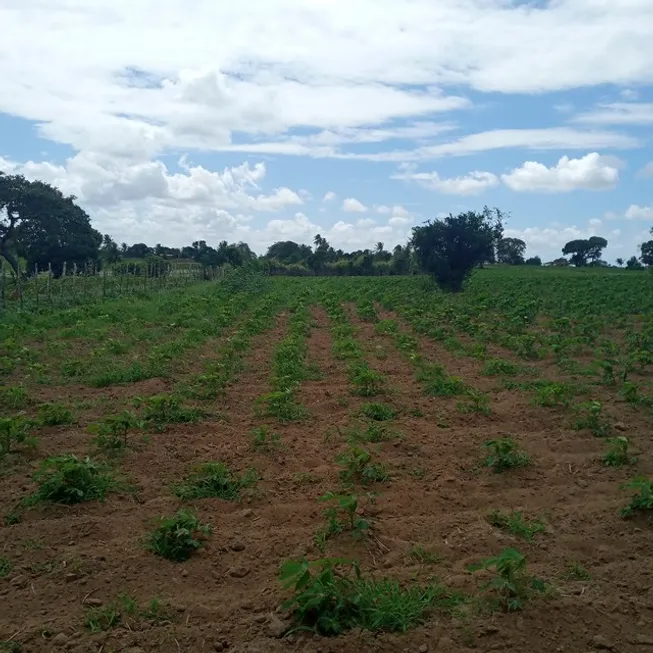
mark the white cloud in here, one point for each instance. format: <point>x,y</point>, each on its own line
<point>635,212</point>
<point>646,172</point>
<point>595,222</point>
<point>352,205</point>
<point>329,196</point>
<point>619,113</point>
<point>471,184</point>
<point>590,172</point>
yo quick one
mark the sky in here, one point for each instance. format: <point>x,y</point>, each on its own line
<point>269,120</point>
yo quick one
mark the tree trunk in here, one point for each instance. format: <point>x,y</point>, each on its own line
<point>10,258</point>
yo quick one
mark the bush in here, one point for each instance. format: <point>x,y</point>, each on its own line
<point>177,538</point>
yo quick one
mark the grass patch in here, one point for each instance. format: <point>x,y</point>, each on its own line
<point>215,480</point>
<point>378,412</point>
<point>516,524</point>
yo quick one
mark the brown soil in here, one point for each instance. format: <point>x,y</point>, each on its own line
<point>222,599</point>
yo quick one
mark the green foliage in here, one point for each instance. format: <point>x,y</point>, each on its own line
<point>161,410</point>
<point>54,414</point>
<point>591,417</point>
<point>282,406</point>
<point>265,439</point>
<point>13,397</point>
<point>552,394</point>
<point>340,518</point>
<point>516,524</point>
<point>357,467</point>
<point>178,537</point>
<point>329,601</point>
<point>215,479</point>
<point>111,433</point>
<point>104,618</point>
<point>437,383</point>
<point>476,402</point>
<point>642,500</point>
<point>378,412</point>
<point>125,611</point>
<point>576,571</point>
<point>6,566</point>
<point>617,453</point>
<point>451,248</point>
<point>386,327</point>
<point>423,555</point>
<point>505,454</point>
<point>373,432</point>
<point>367,382</point>
<point>499,367</point>
<point>511,585</point>
<point>67,479</point>
<point>15,433</point>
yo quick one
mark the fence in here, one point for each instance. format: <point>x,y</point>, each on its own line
<point>88,283</point>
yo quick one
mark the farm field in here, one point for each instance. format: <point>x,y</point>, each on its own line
<point>476,454</point>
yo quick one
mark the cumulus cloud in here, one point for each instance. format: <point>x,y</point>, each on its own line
<point>590,172</point>
<point>329,196</point>
<point>471,184</point>
<point>635,212</point>
<point>352,205</point>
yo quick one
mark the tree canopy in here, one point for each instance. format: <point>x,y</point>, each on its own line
<point>585,251</point>
<point>451,248</point>
<point>511,251</point>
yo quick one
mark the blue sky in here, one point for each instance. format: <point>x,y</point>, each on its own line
<point>357,119</point>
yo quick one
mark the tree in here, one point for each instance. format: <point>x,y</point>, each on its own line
<point>583,251</point>
<point>620,262</point>
<point>138,250</point>
<point>647,252</point>
<point>451,248</point>
<point>39,223</point>
<point>633,264</point>
<point>511,251</point>
<point>534,260</point>
<point>109,250</point>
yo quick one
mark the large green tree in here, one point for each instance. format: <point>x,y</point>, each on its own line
<point>511,251</point>
<point>39,223</point>
<point>451,248</point>
<point>584,251</point>
<point>647,252</point>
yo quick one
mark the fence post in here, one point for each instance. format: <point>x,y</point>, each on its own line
<point>63,280</point>
<point>49,284</point>
<point>36,284</point>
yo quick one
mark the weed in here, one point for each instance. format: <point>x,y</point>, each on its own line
<point>511,583</point>
<point>551,394</point>
<point>54,415</point>
<point>264,439</point>
<point>424,556</point>
<point>642,500</point>
<point>67,479</point>
<point>386,327</point>
<point>329,602</point>
<point>357,466</point>
<point>372,432</point>
<point>305,478</point>
<point>161,410</point>
<point>575,571</point>
<point>379,412</point>
<point>592,418</point>
<point>111,433</point>
<point>477,402</point>
<point>617,453</point>
<point>515,524</point>
<point>215,479</point>
<point>6,566</point>
<point>281,405</point>
<point>101,619</point>
<point>13,397</point>
<point>15,432</point>
<point>418,473</point>
<point>505,454</point>
<point>12,518</point>
<point>437,383</point>
<point>499,367</point>
<point>178,537</point>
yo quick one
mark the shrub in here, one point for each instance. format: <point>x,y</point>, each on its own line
<point>111,433</point>
<point>54,415</point>
<point>642,500</point>
<point>15,432</point>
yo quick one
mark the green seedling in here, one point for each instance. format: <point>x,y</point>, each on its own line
<point>67,479</point>
<point>576,571</point>
<point>477,402</point>
<point>499,367</point>
<point>346,505</point>
<point>282,406</point>
<point>215,479</point>
<point>516,524</point>
<point>424,556</point>
<point>176,538</point>
<point>378,412</point>
<point>111,434</point>
<point>437,383</point>
<point>328,600</point>
<point>102,619</point>
<point>357,467</point>
<point>367,382</point>
<point>592,418</point>
<point>6,566</point>
<point>642,500</point>
<point>15,433</point>
<point>372,432</point>
<point>386,327</point>
<point>264,439</point>
<point>161,410</point>
<point>617,453</point>
<point>13,397</point>
<point>54,415</point>
<point>551,394</point>
<point>505,454</point>
<point>511,584</point>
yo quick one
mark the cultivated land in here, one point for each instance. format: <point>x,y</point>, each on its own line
<point>379,390</point>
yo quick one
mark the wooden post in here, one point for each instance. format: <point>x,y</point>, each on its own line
<point>36,284</point>
<point>74,282</point>
<point>49,284</point>
<point>63,280</point>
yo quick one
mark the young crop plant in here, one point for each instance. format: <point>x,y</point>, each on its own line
<point>281,405</point>
<point>112,433</point>
<point>476,402</point>
<point>372,432</point>
<point>424,556</point>
<point>505,454</point>
<point>176,538</point>
<point>67,479</point>
<point>617,453</point>
<point>6,566</point>
<point>341,517</point>
<point>511,585</point>
<point>366,311</point>
<point>642,500</point>
<point>215,480</point>
<point>15,434</point>
<point>54,415</point>
<point>516,524</point>
<point>437,383</point>
<point>499,367</point>
<point>265,439</point>
<point>13,397</point>
<point>378,412</point>
<point>631,393</point>
<point>386,327</point>
<point>161,410</point>
<point>552,394</point>
<point>366,382</point>
<point>330,597</point>
<point>591,417</point>
<point>357,467</point>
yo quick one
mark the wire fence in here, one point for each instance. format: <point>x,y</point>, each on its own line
<point>75,284</point>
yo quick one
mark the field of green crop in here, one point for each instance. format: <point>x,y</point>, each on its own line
<point>332,465</point>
